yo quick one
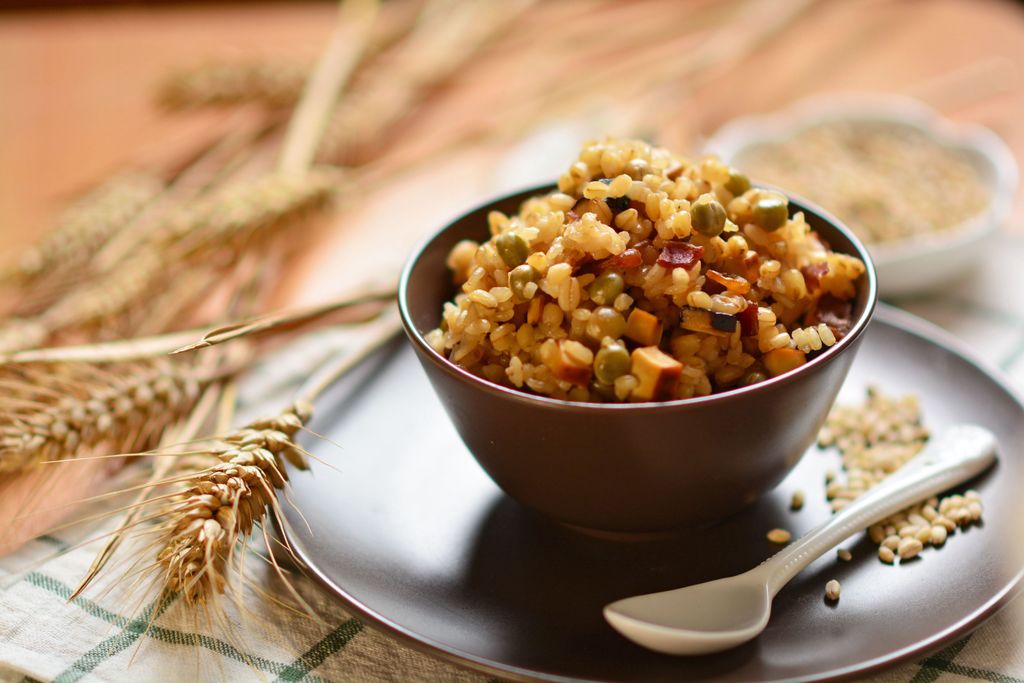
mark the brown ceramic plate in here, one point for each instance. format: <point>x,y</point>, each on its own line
<point>414,538</point>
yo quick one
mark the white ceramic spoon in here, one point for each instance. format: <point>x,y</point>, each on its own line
<point>718,615</point>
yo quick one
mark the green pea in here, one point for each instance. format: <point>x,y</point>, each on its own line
<point>770,212</point>
<point>512,249</point>
<point>610,362</point>
<point>520,277</point>
<point>707,216</point>
<point>605,322</point>
<point>606,287</point>
<point>737,183</point>
<point>753,377</point>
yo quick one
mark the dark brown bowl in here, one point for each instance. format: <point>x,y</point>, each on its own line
<point>637,467</point>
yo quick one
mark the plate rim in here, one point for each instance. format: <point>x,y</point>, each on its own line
<point>885,313</point>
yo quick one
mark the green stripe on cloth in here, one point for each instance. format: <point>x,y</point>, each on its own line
<point>88,606</point>
<point>166,635</point>
<point>52,540</point>
<point>941,663</point>
<point>115,644</point>
<point>980,674</point>
<point>315,656</point>
<point>936,664</point>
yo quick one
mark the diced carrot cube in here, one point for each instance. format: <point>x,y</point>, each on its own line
<point>778,361</point>
<point>643,328</point>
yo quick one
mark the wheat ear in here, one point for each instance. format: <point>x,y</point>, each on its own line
<point>448,35</point>
<point>270,83</point>
<point>230,486</point>
<point>224,502</point>
<point>355,307</point>
<point>85,226</point>
<point>53,411</point>
<point>216,228</point>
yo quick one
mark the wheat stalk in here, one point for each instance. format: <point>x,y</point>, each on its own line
<point>270,83</point>
<point>222,503</point>
<point>54,411</point>
<point>219,228</point>
<point>449,35</point>
<point>358,306</point>
<point>229,486</point>
<point>21,333</point>
<point>85,226</point>
<point>243,213</point>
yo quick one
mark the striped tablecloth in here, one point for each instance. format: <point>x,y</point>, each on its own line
<point>111,637</point>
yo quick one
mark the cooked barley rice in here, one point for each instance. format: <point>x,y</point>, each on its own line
<point>644,277</point>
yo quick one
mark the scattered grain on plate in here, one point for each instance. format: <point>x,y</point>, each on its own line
<point>844,555</point>
<point>779,536</point>
<point>832,590</point>
<point>908,548</point>
<point>797,501</point>
<point>874,439</point>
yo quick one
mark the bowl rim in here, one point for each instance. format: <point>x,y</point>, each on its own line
<point>975,140</point>
<point>521,396</point>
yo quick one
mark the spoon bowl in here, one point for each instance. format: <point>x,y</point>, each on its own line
<point>707,617</point>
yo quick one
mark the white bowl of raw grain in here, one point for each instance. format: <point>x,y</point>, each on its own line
<point>924,193</point>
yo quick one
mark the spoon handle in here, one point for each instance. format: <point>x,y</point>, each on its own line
<point>954,456</point>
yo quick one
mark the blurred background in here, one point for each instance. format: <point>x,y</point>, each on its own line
<point>467,87</point>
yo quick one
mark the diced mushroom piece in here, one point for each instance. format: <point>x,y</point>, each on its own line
<point>778,361</point>
<point>657,374</point>
<point>643,328</point>
<point>573,363</point>
<point>724,322</point>
<point>699,320</point>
